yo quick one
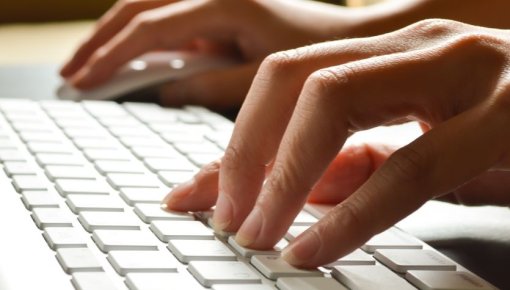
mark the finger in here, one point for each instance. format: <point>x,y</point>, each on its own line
<point>218,89</point>
<point>109,25</point>
<point>198,194</point>
<point>150,30</point>
<point>265,114</point>
<point>337,99</point>
<point>348,171</point>
<point>435,163</point>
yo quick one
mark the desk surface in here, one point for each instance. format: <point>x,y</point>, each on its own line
<point>476,237</point>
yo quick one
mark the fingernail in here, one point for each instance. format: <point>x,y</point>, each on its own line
<point>302,249</point>
<point>181,191</point>
<point>223,213</point>
<point>249,231</point>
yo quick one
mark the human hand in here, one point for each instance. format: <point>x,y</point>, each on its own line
<point>451,76</point>
<point>248,30</point>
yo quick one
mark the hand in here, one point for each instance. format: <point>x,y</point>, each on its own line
<point>451,76</point>
<point>247,29</point>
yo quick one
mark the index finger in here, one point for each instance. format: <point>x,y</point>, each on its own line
<point>107,26</point>
<point>168,27</point>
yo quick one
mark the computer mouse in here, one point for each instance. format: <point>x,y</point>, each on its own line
<point>146,71</point>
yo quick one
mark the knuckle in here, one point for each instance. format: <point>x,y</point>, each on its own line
<point>325,81</point>
<point>435,27</point>
<point>145,22</point>
<point>280,62</point>
<point>350,215</point>
<point>501,102</point>
<point>232,159</point>
<point>212,167</point>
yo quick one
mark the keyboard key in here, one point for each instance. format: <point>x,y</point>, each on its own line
<point>19,168</point>
<point>33,199</point>
<point>45,159</point>
<point>201,159</point>
<point>29,182</point>
<point>106,167</point>
<point>12,155</point>
<point>161,281</point>
<point>172,178</point>
<point>151,152</point>
<point>304,219</point>
<point>92,281</point>
<point>248,253</point>
<point>104,108</point>
<point>6,143</point>
<point>189,250</point>
<point>205,147</point>
<point>357,257</point>
<point>309,283</point>
<point>119,180</point>
<point>149,212</point>
<point>41,137</point>
<point>64,238</point>
<point>181,230</point>
<point>92,221</point>
<point>447,280</point>
<point>69,172</point>
<point>87,202</point>
<point>295,231</point>
<point>131,240</point>
<point>50,217</point>
<point>168,164</point>
<point>138,141</point>
<point>132,131</point>
<point>369,278</point>
<point>107,154</point>
<point>78,186</point>
<point>95,143</point>
<point>274,267</point>
<point>225,272</point>
<point>402,261</point>
<point>391,239</point>
<point>133,196</point>
<point>45,147</point>
<point>78,260</point>
<point>182,138</point>
<point>142,262</point>
<point>242,286</point>
<point>86,133</point>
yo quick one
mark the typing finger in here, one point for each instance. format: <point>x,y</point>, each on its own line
<point>198,194</point>
<point>337,100</point>
<point>435,163</point>
<point>264,117</point>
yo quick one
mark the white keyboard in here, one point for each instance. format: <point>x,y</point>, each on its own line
<point>92,176</point>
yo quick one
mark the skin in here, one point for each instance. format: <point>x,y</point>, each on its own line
<point>248,30</point>
<point>451,76</point>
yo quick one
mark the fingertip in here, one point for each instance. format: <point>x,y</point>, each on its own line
<point>303,251</point>
<point>174,199</point>
<point>65,70</point>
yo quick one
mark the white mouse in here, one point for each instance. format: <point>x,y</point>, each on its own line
<point>145,71</point>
